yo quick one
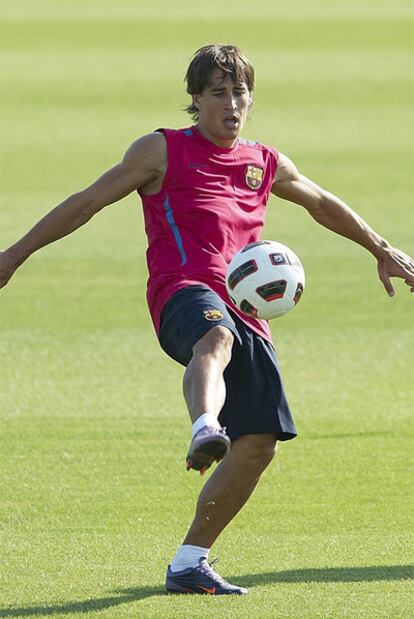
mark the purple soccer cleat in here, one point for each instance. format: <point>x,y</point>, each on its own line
<point>201,579</point>
<point>208,445</point>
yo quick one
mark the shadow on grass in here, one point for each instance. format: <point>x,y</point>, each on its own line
<point>333,436</point>
<point>125,596</point>
<point>86,606</point>
<point>331,574</point>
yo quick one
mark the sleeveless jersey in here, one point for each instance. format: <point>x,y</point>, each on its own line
<point>211,203</point>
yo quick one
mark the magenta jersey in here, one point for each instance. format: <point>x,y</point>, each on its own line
<point>212,203</point>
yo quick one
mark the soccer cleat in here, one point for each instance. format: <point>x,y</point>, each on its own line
<point>208,445</point>
<point>201,579</point>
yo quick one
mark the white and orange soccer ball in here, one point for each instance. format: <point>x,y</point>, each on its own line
<point>265,279</point>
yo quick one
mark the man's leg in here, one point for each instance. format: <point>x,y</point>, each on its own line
<point>222,497</point>
<point>205,393</point>
<point>229,487</point>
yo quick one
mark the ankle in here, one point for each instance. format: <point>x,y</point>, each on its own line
<point>188,555</point>
<point>208,419</point>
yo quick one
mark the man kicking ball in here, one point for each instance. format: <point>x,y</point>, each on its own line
<point>200,207</point>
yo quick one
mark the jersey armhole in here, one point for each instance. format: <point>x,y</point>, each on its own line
<point>275,154</point>
<point>168,172</point>
<point>273,164</point>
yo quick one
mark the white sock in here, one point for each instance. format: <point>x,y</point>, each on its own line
<point>188,556</point>
<point>205,420</point>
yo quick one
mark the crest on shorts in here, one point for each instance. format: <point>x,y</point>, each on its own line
<point>213,314</point>
<point>254,177</point>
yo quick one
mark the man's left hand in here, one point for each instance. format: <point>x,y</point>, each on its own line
<point>395,263</point>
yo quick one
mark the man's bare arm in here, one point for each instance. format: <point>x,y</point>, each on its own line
<point>334,214</point>
<point>144,161</point>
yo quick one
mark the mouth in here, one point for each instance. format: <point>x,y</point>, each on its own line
<point>231,121</point>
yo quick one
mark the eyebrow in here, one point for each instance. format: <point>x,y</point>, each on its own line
<point>237,86</point>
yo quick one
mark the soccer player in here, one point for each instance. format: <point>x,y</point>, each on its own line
<point>204,191</point>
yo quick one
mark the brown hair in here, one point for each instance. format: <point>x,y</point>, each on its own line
<point>227,58</point>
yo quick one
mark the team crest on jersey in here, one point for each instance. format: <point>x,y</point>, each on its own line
<point>213,314</point>
<point>254,177</point>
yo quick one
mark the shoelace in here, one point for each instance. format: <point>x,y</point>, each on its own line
<point>207,569</point>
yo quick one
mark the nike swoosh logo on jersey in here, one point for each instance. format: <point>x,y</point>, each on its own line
<point>194,166</point>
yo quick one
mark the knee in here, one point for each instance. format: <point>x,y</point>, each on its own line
<point>256,452</point>
<point>217,343</point>
<point>262,454</point>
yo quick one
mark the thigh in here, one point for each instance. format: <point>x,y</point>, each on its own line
<point>188,316</point>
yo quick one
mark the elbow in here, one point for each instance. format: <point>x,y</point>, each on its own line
<point>318,207</point>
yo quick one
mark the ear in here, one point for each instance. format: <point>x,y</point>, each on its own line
<point>196,101</point>
<point>250,99</point>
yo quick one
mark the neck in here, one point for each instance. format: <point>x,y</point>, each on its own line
<point>223,143</point>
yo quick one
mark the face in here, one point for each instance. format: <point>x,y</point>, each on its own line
<point>222,107</point>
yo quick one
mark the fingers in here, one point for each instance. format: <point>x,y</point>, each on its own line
<point>410,281</point>
<point>4,278</point>
<point>7,267</point>
<point>396,264</point>
<point>407,264</point>
<point>385,278</point>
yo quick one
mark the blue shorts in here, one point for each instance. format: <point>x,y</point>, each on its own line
<point>255,398</point>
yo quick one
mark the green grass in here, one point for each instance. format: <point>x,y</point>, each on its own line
<point>94,495</point>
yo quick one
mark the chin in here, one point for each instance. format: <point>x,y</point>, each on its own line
<point>228,133</point>
<point>222,135</point>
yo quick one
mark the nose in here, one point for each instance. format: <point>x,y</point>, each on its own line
<point>231,103</point>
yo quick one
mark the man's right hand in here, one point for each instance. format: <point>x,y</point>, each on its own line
<point>8,266</point>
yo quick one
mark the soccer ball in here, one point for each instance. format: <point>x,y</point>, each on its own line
<point>265,279</point>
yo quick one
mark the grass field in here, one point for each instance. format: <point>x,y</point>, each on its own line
<point>94,498</point>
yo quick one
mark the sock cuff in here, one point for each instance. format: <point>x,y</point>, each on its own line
<point>187,556</point>
<point>208,419</point>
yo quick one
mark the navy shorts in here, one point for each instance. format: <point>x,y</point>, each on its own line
<point>255,398</point>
